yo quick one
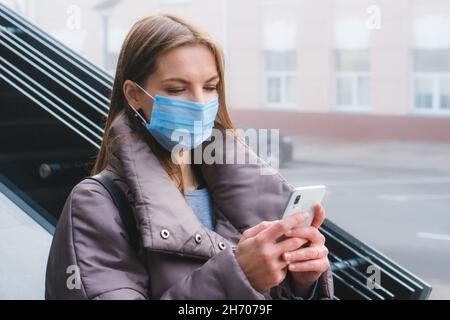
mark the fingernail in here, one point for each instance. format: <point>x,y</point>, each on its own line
<point>288,257</point>
<point>289,233</point>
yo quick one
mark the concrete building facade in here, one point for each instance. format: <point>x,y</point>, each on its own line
<point>326,64</point>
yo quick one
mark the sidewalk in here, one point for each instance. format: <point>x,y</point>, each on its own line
<point>380,154</point>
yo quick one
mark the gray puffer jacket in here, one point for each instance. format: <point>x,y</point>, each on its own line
<point>179,258</point>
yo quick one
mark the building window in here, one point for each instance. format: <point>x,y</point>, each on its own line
<point>424,90</point>
<point>431,64</point>
<point>444,94</point>
<point>431,80</point>
<point>280,79</point>
<point>280,64</point>
<point>352,80</point>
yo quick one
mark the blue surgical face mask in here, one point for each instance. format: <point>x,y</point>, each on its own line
<point>180,122</point>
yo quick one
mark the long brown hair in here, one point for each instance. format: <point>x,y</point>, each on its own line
<point>148,39</point>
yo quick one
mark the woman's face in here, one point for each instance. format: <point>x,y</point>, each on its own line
<point>188,72</point>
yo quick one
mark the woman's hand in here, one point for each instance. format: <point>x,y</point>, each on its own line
<point>259,254</point>
<point>309,262</point>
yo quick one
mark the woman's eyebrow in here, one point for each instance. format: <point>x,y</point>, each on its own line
<point>185,81</point>
<point>213,78</point>
<point>175,79</point>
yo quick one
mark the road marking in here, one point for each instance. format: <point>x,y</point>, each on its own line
<point>434,236</point>
<point>417,197</point>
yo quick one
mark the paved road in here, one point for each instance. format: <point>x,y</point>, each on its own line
<point>395,196</point>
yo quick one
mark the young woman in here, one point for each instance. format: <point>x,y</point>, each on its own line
<point>207,231</point>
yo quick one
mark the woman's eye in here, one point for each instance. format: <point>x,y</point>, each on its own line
<point>175,90</point>
<point>181,90</point>
<point>211,88</point>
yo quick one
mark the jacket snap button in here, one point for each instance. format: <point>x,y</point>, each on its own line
<point>222,246</point>
<point>165,233</point>
<point>198,238</point>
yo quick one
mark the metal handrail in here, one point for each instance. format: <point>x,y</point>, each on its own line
<point>387,273</point>
<point>345,266</point>
<point>54,97</point>
<point>338,279</point>
<point>377,257</point>
<point>46,108</point>
<point>42,56</point>
<point>75,93</point>
<point>62,50</point>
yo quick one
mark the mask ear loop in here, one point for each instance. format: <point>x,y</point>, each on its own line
<point>137,114</point>
<point>144,91</point>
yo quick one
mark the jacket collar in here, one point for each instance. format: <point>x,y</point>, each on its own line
<point>241,195</point>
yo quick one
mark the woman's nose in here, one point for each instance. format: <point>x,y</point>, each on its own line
<point>200,96</point>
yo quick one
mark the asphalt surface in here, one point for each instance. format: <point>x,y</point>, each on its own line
<point>395,196</point>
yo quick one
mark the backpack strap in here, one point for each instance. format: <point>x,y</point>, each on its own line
<point>123,206</point>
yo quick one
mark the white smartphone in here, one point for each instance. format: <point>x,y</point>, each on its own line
<point>303,199</point>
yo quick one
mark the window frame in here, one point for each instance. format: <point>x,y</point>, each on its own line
<point>436,77</point>
<point>284,104</point>
<point>355,105</point>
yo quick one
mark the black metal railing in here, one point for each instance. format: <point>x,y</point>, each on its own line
<point>53,106</point>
